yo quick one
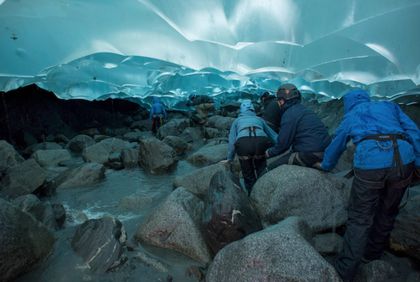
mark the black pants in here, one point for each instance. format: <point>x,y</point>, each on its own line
<point>297,158</point>
<point>374,203</point>
<point>251,152</point>
<point>157,122</point>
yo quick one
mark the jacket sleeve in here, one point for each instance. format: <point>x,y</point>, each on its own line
<point>412,131</point>
<point>337,146</point>
<point>285,137</point>
<point>232,140</point>
<point>271,133</point>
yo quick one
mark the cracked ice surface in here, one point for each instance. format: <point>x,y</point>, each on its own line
<point>135,48</point>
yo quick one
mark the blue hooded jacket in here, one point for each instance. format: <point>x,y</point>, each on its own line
<point>157,108</point>
<point>246,119</point>
<point>362,118</point>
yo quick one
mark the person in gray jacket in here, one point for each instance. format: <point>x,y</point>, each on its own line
<point>249,137</point>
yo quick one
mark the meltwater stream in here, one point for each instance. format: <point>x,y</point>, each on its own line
<point>129,196</point>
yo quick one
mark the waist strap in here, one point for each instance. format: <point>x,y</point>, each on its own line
<point>390,137</point>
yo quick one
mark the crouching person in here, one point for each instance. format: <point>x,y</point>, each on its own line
<point>387,153</point>
<point>249,137</point>
<point>302,137</point>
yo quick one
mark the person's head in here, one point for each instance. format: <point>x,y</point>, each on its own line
<point>192,97</point>
<point>355,97</point>
<point>286,93</point>
<point>156,100</point>
<point>265,96</point>
<point>247,105</point>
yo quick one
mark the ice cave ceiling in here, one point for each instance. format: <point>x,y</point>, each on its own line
<point>93,49</point>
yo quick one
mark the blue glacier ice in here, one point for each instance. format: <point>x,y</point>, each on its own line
<point>135,48</point>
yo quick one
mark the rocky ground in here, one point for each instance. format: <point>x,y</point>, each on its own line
<point>287,230</point>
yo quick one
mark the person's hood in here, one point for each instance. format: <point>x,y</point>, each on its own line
<point>355,97</point>
<point>246,106</point>
<point>156,100</point>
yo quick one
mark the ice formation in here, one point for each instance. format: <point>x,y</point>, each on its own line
<point>135,48</point>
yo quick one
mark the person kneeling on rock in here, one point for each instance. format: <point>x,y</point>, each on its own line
<point>387,153</point>
<point>302,137</point>
<point>157,114</point>
<point>249,137</point>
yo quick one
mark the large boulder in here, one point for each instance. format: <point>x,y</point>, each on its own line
<point>177,143</point>
<point>8,156</point>
<point>42,211</point>
<point>209,154</point>
<point>220,122</point>
<point>78,143</point>
<point>87,174</point>
<point>155,156</point>
<point>100,243</point>
<point>405,237</point>
<point>175,225</point>
<point>22,179</point>
<point>376,271</point>
<point>130,158</point>
<point>24,241</point>
<point>319,198</point>
<point>173,127</point>
<point>198,181</point>
<point>228,214</point>
<point>101,151</point>
<point>192,135</point>
<point>278,253</point>
<point>47,158</point>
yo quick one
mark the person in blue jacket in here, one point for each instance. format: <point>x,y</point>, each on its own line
<point>387,152</point>
<point>249,137</point>
<point>157,114</point>
<point>303,137</point>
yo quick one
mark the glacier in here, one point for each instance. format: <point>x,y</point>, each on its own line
<point>100,49</point>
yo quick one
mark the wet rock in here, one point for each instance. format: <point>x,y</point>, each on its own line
<point>47,158</point>
<point>22,179</point>
<point>198,181</point>
<point>375,271</point>
<point>152,262</point>
<point>405,237</point>
<point>209,154</point>
<point>177,143</point>
<point>24,241</point>
<point>210,132</point>
<point>141,124</point>
<point>319,198</point>
<point>136,136</point>
<point>136,202</point>
<point>91,132</point>
<point>42,146</point>
<point>173,127</point>
<point>192,134</point>
<point>100,152</point>
<point>155,156</point>
<point>84,175</point>
<point>100,243</point>
<point>78,143</point>
<point>8,156</point>
<point>228,214</point>
<point>329,243</point>
<point>413,277</point>
<point>220,122</point>
<point>42,211</point>
<point>175,225</point>
<point>130,158</point>
<point>278,253</point>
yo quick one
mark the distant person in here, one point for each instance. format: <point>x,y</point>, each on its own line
<point>249,137</point>
<point>157,114</point>
<point>203,106</point>
<point>271,111</point>
<point>302,137</point>
<point>387,153</point>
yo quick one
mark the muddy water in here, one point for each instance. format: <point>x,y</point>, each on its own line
<point>129,195</point>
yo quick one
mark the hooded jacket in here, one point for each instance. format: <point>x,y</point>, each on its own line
<point>157,108</point>
<point>301,129</point>
<point>240,128</point>
<point>362,118</point>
